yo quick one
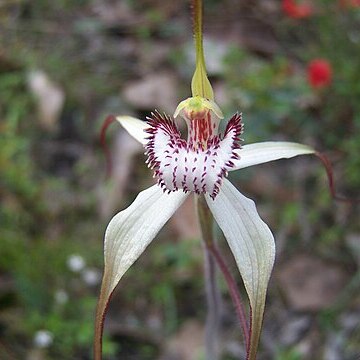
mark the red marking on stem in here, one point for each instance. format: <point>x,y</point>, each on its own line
<point>107,122</point>
<point>234,293</point>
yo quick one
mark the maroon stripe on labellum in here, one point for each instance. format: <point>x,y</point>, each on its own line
<point>185,170</point>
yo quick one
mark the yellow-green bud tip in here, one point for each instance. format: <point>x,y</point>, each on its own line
<point>198,104</point>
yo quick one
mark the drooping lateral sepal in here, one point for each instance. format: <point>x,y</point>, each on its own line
<point>127,236</point>
<point>253,247</point>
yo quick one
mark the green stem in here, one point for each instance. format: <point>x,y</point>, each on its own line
<point>200,84</point>
<point>213,296</point>
<point>206,224</point>
<point>198,31</point>
<point>234,293</point>
<point>213,300</point>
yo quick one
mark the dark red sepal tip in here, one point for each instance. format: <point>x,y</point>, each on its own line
<point>105,125</point>
<point>329,172</point>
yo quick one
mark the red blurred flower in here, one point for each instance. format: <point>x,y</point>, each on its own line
<point>297,11</point>
<point>319,72</point>
<point>350,3</point>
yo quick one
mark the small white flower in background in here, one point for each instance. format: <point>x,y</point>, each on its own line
<point>43,339</point>
<point>154,322</point>
<point>61,296</point>
<point>91,277</point>
<point>76,263</point>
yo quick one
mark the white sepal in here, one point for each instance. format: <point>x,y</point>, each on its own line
<point>135,127</point>
<point>252,245</point>
<point>127,236</point>
<point>263,152</point>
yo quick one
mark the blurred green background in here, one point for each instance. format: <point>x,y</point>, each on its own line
<point>65,65</point>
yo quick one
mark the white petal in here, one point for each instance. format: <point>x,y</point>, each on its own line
<point>135,127</point>
<point>127,235</point>
<point>252,245</point>
<point>259,153</point>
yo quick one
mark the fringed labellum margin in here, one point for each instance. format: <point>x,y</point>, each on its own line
<point>199,164</point>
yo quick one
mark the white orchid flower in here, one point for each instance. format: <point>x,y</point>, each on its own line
<point>197,165</point>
